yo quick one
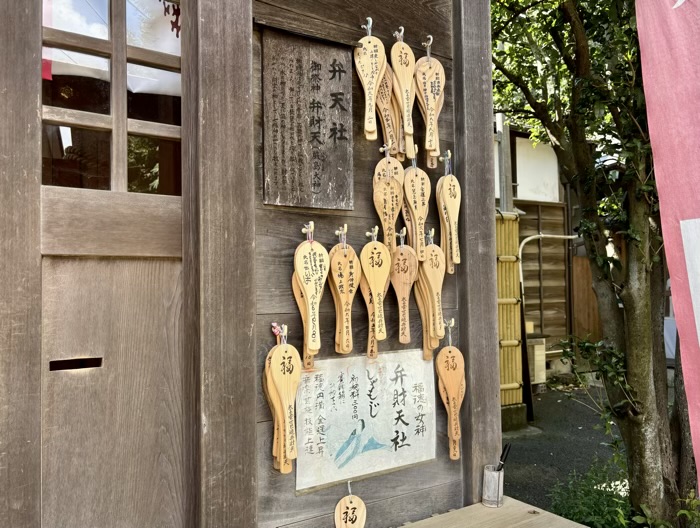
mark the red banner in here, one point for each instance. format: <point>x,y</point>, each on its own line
<point>668,34</point>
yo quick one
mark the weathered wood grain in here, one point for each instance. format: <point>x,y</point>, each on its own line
<point>432,16</point>
<point>56,38</point>
<point>117,32</point>
<point>153,59</point>
<point>67,117</point>
<point>99,223</point>
<point>149,128</point>
<point>219,264</point>
<point>513,514</point>
<point>112,437</point>
<point>474,167</point>
<point>191,273</point>
<point>308,109</point>
<point>400,509</point>
<point>20,265</point>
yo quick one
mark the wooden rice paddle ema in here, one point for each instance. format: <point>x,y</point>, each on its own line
<point>280,383</point>
<point>311,265</point>
<point>448,195</point>
<point>430,88</point>
<point>350,512</point>
<point>403,63</point>
<point>417,196</point>
<point>308,358</point>
<point>449,365</point>
<point>385,109</point>
<point>431,274</point>
<point>404,272</point>
<point>388,195</point>
<point>372,347</point>
<point>370,63</point>
<point>344,281</point>
<point>376,269</point>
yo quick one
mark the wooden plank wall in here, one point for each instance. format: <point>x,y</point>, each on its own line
<point>544,269</point>
<point>406,495</point>
<point>585,304</point>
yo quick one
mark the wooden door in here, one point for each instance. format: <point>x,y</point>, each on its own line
<point>116,394</point>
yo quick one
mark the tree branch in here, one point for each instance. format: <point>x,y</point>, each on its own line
<point>559,43</point>
<point>583,53</point>
<point>514,111</point>
<point>516,12</point>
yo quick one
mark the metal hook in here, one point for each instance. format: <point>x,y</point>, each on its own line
<point>449,324</point>
<point>428,45</point>
<point>399,34</point>
<point>284,334</point>
<point>447,158</point>
<point>342,234</point>
<point>368,26</point>
<point>350,491</point>
<point>373,233</point>
<point>308,230</point>
<point>402,236</point>
<point>386,148</point>
<point>429,237</point>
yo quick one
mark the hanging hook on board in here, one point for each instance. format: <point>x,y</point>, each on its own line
<point>427,45</point>
<point>429,237</point>
<point>368,26</point>
<point>308,230</point>
<point>342,234</point>
<point>402,236</point>
<point>447,159</point>
<point>449,324</point>
<point>386,148</point>
<point>373,233</point>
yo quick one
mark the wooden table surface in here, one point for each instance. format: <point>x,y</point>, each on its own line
<point>512,514</point>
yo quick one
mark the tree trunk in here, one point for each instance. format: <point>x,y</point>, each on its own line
<point>683,445</point>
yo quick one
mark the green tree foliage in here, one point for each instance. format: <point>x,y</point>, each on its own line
<point>570,72</point>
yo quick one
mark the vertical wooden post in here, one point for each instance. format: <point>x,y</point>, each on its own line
<point>20,264</point>
<point>473,105</point>
<point>505,173</point>
<point>218,205</point>
<point>117,32</point>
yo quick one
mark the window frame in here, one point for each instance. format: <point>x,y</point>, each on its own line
<point>117,122</point>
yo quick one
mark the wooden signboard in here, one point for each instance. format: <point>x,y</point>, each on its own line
<point>307,97</point>
<point>357,417</point>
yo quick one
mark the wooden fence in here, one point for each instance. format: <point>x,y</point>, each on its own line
<point>507,241</point>
<point>545,269</point>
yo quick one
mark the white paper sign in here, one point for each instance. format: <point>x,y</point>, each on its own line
<point>690,230</point>
<point>357,416</point>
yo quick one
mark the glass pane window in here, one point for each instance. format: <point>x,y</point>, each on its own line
<point>154,166</point>
<point>153,95</point>
<point>75,157</point>
<point>75,80</point>
<point>85,17</point>
<point>154,25</point>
